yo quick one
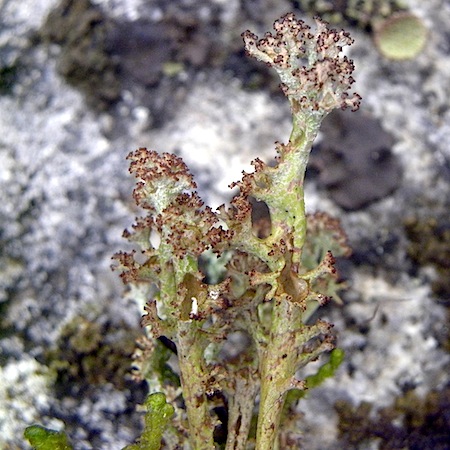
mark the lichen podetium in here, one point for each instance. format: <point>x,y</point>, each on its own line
<point>270,282</point>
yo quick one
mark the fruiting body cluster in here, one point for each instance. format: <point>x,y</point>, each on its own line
<point>313,74</point>
<point>271,281</point>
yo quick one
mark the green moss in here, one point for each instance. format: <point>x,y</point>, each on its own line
<point>327,370</point>
<point>44,439</point>
<point>156,420</point>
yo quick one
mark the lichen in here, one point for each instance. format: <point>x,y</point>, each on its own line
<point>398,33</point>
<point>278,268</point>
<point>401,36</point>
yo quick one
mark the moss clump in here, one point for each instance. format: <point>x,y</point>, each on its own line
<point>85,61</point>
<point>360,13</point>
<point>411,422</point>
<point>430,246</point>
<point>44,439</point>
<point>92,353</point>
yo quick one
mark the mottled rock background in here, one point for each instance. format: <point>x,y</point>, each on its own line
<point>84,83</point>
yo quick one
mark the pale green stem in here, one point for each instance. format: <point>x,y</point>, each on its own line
<point>304,132</point>
<point>280,358</point>
<point>193,373</point>
<point>277,370</point>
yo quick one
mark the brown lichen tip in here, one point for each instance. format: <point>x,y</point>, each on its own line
<point>162,178</point>
<point>190,226</point>
<point>313,73</point>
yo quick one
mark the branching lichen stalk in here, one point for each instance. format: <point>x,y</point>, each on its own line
<point>313,89</point>
<point>272,281</point>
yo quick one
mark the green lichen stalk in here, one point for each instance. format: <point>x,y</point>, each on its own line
<point>315,78</point>
<point>272,280</point>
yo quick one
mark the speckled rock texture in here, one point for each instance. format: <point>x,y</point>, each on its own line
<point>78,93</point>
